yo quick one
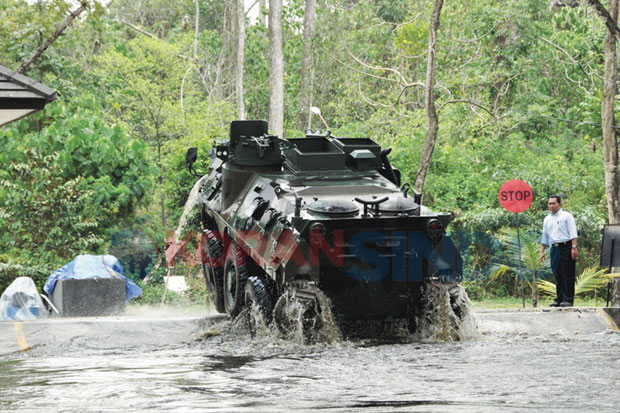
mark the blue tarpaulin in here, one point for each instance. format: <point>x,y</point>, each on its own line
<point>92,266</point>
<point>21,301</point>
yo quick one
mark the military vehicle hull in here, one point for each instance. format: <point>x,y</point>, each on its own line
<point>320,221</point>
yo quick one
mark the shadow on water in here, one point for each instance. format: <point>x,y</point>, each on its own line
<point>226,362</point>
<point>453,405</point>
<point>8,373</point>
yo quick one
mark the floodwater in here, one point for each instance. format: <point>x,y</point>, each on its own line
<point>223,369</point>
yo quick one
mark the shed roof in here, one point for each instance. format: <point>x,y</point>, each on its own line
<point>21,95</point>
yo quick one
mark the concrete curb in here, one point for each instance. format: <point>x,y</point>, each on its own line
<point>548,321</point>
<point>128,331</point>
<point>100,332</point>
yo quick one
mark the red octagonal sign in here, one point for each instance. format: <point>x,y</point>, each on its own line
<point>515,195</point>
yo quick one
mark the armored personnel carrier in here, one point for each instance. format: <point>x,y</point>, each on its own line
<point>293,226</point>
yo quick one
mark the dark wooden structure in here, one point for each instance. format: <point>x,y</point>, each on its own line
<point>21,96</point>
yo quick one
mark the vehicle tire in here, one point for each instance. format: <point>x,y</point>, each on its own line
<point>214,273</point>
<point>296,318</point>
<point>256,294</point>
<point>235,277</point>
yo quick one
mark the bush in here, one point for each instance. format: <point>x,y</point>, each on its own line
<point>475,290</point>
<point>152,293</point>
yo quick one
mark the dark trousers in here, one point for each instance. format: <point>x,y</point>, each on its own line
<point>563,266</point>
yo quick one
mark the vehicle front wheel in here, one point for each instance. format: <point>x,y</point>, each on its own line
<point>214,273</point>
<point>259,304</point>
<point>235,277</point>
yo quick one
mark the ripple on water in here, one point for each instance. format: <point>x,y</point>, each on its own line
<point>229,371</point>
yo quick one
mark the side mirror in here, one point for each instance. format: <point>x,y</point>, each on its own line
<point>191,156</point>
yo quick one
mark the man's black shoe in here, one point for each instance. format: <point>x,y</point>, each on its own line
<point>566,304</point>
<point>554,304</point>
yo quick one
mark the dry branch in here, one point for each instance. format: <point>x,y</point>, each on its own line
<point>72,15</point>
<point>609,21</point>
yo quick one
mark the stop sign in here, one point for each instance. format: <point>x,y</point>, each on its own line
<point>516,195</point>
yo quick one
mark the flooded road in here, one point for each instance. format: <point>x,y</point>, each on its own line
<point>222,369</point>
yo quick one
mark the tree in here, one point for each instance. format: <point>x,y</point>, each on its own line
<point>61,29</point>
<point>276,69</point>
<point>67,180</point>
<point>142,80</point>
<point>307,66</point>
<point>225,70</point>
<point>610,21</point>
<point>261,11</point>
<point>591,279</point>
<point>240,55</point>
<point>610,142</point>
<point>432,121</point>
<point>608,122</point>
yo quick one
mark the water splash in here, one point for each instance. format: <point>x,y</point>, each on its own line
<point>189,215</point>
<point>190,208</point>
<point>330,332</point>
<point>446,315</point>
<point>306,323</point>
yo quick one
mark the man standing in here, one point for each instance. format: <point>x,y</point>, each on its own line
<point>560,232</point>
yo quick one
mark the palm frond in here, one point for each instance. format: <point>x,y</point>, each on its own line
<point>530,260</point>
<point>498,271</point>
<point>590,279</point>
<point>610,277</point>
<point>546,288</point>
<point>530,256</point>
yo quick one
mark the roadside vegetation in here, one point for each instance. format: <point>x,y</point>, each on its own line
<point>518,95</point>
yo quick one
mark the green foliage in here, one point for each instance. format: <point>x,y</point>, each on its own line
<point>412,38</point>
<point>64,186</point>
<point>476,290</point>
<point>157,96</point>
<point>591,279</point>
<point>202,132</point>
<point>153,291</point>
<point>153,294</point>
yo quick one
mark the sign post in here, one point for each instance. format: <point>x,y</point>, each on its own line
<point>517,196</point>
<point>610,251</point>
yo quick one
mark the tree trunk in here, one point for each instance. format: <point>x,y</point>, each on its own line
<point>261,15</point>
<point>196,28</point>
<point>608,18</point>
<point>432,121</point>
<point>240,56</point>
<point>72,15</point>
<point>610,142</point>
<point>160,179</point>
<point>225,67</point>
<point>276,69</point>
<point>307,67</point>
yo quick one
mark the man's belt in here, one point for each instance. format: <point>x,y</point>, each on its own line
<point>559,244</point>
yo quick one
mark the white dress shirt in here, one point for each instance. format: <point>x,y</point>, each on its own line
<point>558,227</point>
